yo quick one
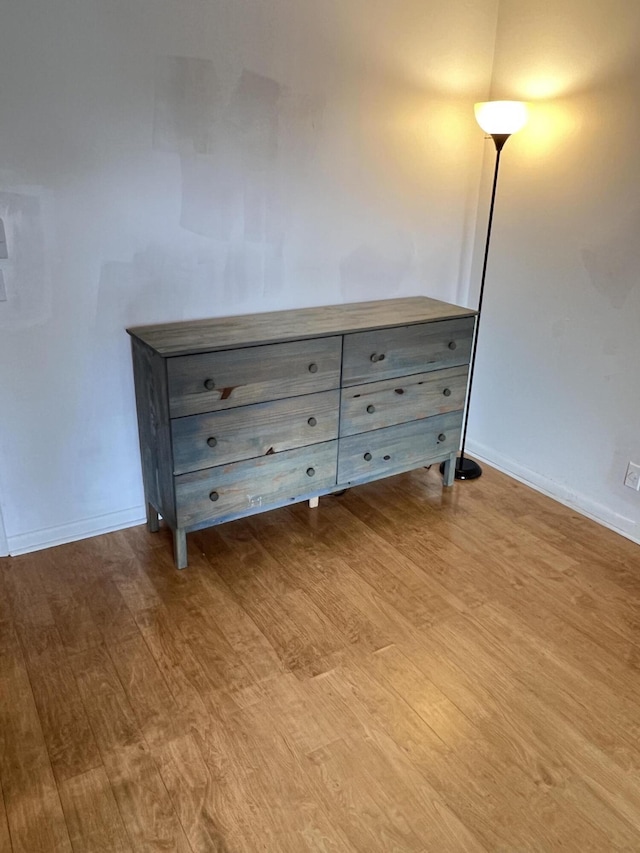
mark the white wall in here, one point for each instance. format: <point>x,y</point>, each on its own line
<point>557,399</point>
<point>162,160</point>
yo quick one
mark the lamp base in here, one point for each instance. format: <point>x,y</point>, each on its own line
<point>466,469</point>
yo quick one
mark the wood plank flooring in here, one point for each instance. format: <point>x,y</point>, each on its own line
<point>402,669</point>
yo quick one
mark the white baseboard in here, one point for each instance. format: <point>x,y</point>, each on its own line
<point>626,527</point>
<point>35,540</point>
<point>24,543</point>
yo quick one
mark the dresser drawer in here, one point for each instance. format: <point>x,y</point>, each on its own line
<point>400,351</point>
<point>244,487</point>
<point>398,448</point>
<point>212,381</point>
<point>396,401</point>
<point>215,438</point>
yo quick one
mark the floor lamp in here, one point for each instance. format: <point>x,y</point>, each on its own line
<point>499,119</point>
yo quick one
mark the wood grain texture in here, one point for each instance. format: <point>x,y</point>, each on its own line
<point>393,449</point>
<point>5,838</point>
<point>252,375</point>
<point>402,669</point>
<point>232,404</point>
<point>226,332</point>
<point>70,742</point>
<point>215,438</point>
<point>387,353</point>
<point>192,788</point>
<point>392,401</point>
<point>152,405</point>
<point>409,596</point>
<point>256,483</point>
<point>144,804</point>
<point>142,799</point>
<point>94,822</point>
<point>155,709</point>
<point>32,802</point>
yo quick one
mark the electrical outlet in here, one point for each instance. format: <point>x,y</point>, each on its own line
<point>632,477</point>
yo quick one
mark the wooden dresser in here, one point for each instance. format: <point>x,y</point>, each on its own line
<point>238,415</point>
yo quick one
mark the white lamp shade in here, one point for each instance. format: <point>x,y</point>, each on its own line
<point>503,117</point>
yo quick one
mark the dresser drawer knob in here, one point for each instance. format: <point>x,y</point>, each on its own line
<point>399,391</point>
<point>442,437</point>
<point>213,496</point>
<point>311,472</point>
<point>312,421</point>
<point>209,384</point>
<point>371,409</point>
<point>447,392</point>
<point>313,368</point>
<point>386,458</point>
<point>453,345</point>
<point>375,357</point>
<point>368,456</point>
<point>212,441</point>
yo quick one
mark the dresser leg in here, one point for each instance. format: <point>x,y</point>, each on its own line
<point>450,469</point>
<point>153,521</point>
<point>313,502</point>
<point>180,548</point>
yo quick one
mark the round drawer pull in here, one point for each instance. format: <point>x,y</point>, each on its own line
<point>213,496</point>
<point>371,409</point>
<point>209,384</point>
<point>368,456</point>
<point>311,472</point>
<point>399,391</point>
<point>375,357</point>
<point>447,392</point>
<point>386,458</point>
<point>442,437</point>
<point>453,345</point>
<point>312,421</point>
<point>212,441</point>
<point>313,368</point>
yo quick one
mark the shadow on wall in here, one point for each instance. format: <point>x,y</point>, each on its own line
<point>154,286</point>
<point>27,283</point>
<point>380,270</point>
<point>245,154</point>
<point>613,264</point>
<point>240,153</point>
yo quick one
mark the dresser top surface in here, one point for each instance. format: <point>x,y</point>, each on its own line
<point>218,333</point>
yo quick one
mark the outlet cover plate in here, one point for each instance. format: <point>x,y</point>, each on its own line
<point>632,477</point>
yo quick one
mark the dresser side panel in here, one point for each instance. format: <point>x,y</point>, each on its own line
<point>154,430</point>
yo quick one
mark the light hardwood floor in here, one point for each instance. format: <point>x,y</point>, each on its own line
<point>398,670</point>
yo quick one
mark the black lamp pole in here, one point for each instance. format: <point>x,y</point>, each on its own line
<point>468,469</point>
